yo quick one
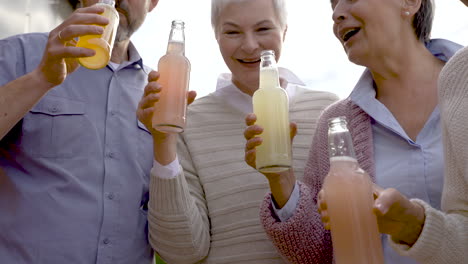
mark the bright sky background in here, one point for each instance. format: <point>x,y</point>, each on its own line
<point>310,49</point>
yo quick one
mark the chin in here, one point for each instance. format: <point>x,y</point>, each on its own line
<point>355,58</point>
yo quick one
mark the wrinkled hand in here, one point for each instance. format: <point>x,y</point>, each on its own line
<point>59,59</point>
<point>150,96</point>
<point>396,214</point>
<point>322,208</point>
<point>281,184</point>
<point>251,134</point>
<point>165,145</point>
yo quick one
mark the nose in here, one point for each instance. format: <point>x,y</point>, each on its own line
<point>339,13</point>
<point>250,43</point>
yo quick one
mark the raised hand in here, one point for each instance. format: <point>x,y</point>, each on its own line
<point>251,134</point>
<point>282,184</point>
<point>59,59</point>
<point>164,144</point>
<point>396,215</point>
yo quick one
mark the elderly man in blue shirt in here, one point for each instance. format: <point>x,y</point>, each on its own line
<point>74,161</point>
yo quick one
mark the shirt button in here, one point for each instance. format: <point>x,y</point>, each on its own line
<point>53,109</point>
<point>111,196</point>
<point>110,155</point>
<point>112,113</point>
<point>106,241</point>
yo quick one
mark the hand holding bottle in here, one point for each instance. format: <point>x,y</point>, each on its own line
<point>251,134</point>
<point>281,184</point>
<point>164,143</point>
<point>396,214</point>
<point>60,55</point>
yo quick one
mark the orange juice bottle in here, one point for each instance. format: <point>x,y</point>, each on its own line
<point>174,69</point>
<point>349,198</point>
<point>101,44</point>
<point>271,106</point>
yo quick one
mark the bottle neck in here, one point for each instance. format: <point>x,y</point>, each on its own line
<point>269,74</point>
<point>176,43</point>
<point>340,143</point>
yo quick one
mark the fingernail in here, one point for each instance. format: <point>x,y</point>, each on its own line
<point>380,207</point>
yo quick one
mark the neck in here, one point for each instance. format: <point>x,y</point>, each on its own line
<point>120,51</point>
<point>396,73</point>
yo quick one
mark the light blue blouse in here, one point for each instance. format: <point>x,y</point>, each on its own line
<point>415,168</point>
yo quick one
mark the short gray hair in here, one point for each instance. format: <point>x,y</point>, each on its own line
<point>279,7</point>
<point>422,21</point>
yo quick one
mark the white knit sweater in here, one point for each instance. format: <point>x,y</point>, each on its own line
<point>444,238</point>
<point>210,211</point>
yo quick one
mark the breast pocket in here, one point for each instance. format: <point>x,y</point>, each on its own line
<point>58,128</point>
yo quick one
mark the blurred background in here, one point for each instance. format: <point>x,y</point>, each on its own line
<point>310,49</point>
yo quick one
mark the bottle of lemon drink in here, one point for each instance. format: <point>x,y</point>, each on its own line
<point>271,106</point>
<point>104,43</point>
<point>174,69</point>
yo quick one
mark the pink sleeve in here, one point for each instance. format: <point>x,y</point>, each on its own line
<point>301,239</point>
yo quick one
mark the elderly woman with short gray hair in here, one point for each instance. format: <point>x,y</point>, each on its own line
<point>204,201</point>
<point>394,120</point>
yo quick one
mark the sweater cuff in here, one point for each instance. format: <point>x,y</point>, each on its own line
<point>169,195</point>
<point>428,241</point>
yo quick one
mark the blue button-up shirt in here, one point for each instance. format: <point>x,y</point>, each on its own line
<point>415,168</point>
<point>81,194</point>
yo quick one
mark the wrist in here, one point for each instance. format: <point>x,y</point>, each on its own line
<point>40,81</point>
<point>165,147</point>
<point>281,186</point>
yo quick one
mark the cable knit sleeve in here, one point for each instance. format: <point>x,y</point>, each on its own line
<point>179,228</point>
<point>303,239</point>
<point>444,238</point>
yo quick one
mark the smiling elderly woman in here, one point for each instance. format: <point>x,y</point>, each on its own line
<point>207,211</point>
<point>395,125</point>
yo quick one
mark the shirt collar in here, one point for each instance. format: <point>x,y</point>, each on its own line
<point>134,60</point>
<point>364,92</point>
<point>224,79</point>
<point>241,101</point>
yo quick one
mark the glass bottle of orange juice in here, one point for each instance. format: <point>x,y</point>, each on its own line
<point>174,69</point>
<point>349,198</point>
<point>271,106</point>
<point>101,44</point>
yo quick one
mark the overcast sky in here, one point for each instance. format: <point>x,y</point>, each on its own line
<point>310,49</point>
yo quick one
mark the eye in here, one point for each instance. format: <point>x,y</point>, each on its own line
<point>263,29</point>
<point>231,32</point>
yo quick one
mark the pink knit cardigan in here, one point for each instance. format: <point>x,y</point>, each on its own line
<point>302,238</point>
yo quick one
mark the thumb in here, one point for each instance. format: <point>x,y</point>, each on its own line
<point>293,130</point>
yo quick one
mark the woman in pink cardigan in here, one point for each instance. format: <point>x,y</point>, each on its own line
<point>394,120</point>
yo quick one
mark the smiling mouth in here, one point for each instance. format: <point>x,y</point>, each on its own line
<point>350,33</point>
<point>248,61</point>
